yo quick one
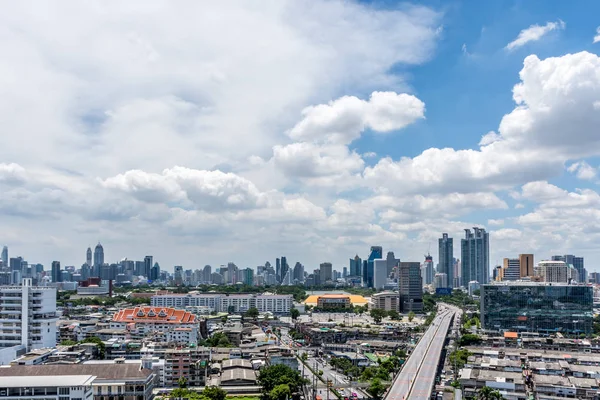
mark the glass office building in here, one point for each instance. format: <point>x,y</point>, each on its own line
<point>537,307</point>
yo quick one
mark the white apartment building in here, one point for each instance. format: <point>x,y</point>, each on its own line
<point>221,302</point>
<point>66,387</point>
<point>27,316</point>
<point>555,271</point>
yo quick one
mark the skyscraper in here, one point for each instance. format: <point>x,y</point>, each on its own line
<point>56,272</point>
<point>475,252</point>
<point>248,277</point>
<point>428,270</point>
<point>356,266</point>
<point>278,270</point>
<point>4,257</point>
<point>391,262</point>
<point>147,266</point>
<point>88,256</point>
<point>376,253</point>
<point>380,274</point>
<point>298,275</point>
<point>446,258</point>
<point>410,286</point>
<point>178,275</point>
<point>325,272</point>
<point>98,259</point>
<point>206,274</point>
<point>284,267</point>
<point>155,272</point>
<point>526,265</point>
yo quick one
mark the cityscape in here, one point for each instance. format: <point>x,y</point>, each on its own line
<point>300,200</point>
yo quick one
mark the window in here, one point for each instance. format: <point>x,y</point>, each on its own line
<point>64,390</point>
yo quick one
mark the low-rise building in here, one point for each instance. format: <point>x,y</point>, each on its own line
<point>68,387</point>
<point>387,301</point>
<point>224,302</point>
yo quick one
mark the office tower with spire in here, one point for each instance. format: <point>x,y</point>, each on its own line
<point>446,258</point>
<point>356,266</point>
<point>475,256</point>
<point>88,256</point>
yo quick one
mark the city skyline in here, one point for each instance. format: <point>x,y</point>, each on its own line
<point>162,132</point>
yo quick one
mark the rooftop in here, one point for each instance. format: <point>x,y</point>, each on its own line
<point>112,371</point>
<point>45,381</point>
<point>153,315</point>
<point>354,299</point>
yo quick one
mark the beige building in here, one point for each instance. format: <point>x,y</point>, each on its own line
<point>387,301</point>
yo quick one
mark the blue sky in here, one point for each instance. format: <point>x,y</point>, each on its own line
<point>243,132</point>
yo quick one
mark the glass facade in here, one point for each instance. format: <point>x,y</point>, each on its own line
<point>541,308</point>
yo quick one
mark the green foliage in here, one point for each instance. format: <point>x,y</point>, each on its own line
<point>376,389</point>
<point>68,343</point>
<point>429,319</point>
<point>411,316</point>
<point>219,339</point>
<point>377,315</point>
<point>276,375</point>
<point>280,392</point>
<point>252,313</point>
<point>487,393</point>
<point>371,373</point>
<point>346,366</point>
<point>393,314</point>
<point>304,357</point>
<point>294,313</point>
<point>459,358</point>
<point>182,382</point>
<point>360,309</point>
<point>214,393</point>
<point>469,339</point>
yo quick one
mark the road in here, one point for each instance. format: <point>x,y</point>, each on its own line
<point>416,379</point>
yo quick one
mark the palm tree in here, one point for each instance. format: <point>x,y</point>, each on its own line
<point>487,393</point>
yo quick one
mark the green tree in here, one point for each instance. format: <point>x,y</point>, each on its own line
<point>459,358</point>
<point>294,313</point>
<point>280,392</point>
<point>214,393</point>
<point>182,383</point>
<point>224,318</point>
<point>411,316</point>
<point>304,356</point>
<point>376,389</point>
<point>469,339</point>
<point>276,375</point>
<point>68,343</point>
<point>487,393</point>
<point>252,313</point>
<point>393,314</point>
<point>377,315</point>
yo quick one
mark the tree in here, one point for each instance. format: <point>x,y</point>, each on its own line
<point>252,313</point>
<point>487,393</point>
<point>469,339</point>
<point>231,309</point>
<point>304,356</point>
<point>393,314</point>
<point>294,313</point>
<point>376,389</point>
<point>411,316</point>
<point>276,375</point>
<point>182,382</point>
<point>214,393</point>
<point>68,343</point>
<point>224,318</point>
<point>280,392</point>
<point>377,315</point>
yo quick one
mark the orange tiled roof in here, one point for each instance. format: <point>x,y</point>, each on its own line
<point>154,315</point>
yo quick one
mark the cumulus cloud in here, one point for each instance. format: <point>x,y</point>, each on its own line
<point>343,120</point>
<point>307,160</point>
<point>583,170</point>
<point>534,33</point>
<point>597,35</point>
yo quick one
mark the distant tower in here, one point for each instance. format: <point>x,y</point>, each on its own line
<point>88,257</point>
<point>98,260</point>
<point>446,258</point>
<point>5,257</point>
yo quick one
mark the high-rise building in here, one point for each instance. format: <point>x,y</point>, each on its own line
<point>30,316</point>
<point>391,262</point>
<point>278,269</point>
<point>446,258</point>
<point>248,277</point>
<point>380,273</point>
<point>56,272</point>
<point>206,274</point>
<point>88,256</point>
<point>325,272</point>
<point>526,265</point>
<point>511,270</point>
<point>344,272</point>
<point>284,267</point>
<point>4,257</point>
<point>98,259</point>
<point>428,270</point>
<point>147,266</point>
<point>475,256</point>
<point>410,287</point>
<point>155,272</point>
<point>376,254</point>
<point>356,266</point>
<point>15,263</point>
<point>577,263</point>
<point>298,273</point>
<point>178,275</point>
<point>232,273</point>
<point>556,271</point>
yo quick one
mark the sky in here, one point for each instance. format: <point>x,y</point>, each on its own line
<point>207,132</point>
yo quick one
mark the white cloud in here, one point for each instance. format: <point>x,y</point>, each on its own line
<point>489,138</point>
<point>583,171</point>
<point>343,120</point>
<point>495,222</point>
<point>597,35</point>
<point>534,33</point>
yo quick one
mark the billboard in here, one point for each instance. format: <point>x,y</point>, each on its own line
<point>443,291</point>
